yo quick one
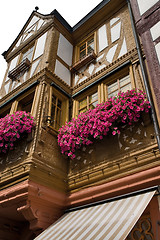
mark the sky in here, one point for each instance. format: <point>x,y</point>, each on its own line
<point>14,15</point>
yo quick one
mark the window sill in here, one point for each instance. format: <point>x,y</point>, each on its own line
<point>87,59</point>
<point>22,67</point>
<point>52,130</point>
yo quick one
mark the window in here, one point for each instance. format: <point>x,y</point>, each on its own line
<point>25,104</point>
<point>85,53</point>
<point>56,112</point>
<point>120,85</point>
<point>5,110</point>
<point>28,54</point>
<point>23,66</point>
<point>58,109</point>
<point>89,102</point>
<point>120,81</point>
<point>86,47</point>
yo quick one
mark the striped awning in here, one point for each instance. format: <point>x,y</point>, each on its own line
<point>110,221</point>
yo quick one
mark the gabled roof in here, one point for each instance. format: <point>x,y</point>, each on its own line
<point>57,15</point>
<point>32,26</point>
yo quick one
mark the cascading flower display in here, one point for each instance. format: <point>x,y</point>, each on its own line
<point>12,126</point>
<point>106,117</point>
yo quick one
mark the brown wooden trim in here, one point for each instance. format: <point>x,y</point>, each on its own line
<point>61,61</point>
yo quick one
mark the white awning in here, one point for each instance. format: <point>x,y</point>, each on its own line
<point>110,221</point>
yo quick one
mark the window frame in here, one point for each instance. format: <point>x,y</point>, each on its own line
<point>76,101</point>
<point>15,104</point>
<point>116,78</point>
<point>102,88</point>
<point>88,103</point>
<point>25,50</point>
<point>5,110</point>
<point>64,109</point>
<point>77,51</point>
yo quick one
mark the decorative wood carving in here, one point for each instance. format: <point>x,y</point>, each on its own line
<point>82,62</point>
<point>21,68</point>
<point>20,151</point>
<point>142,230</point>
<point>114,156</point>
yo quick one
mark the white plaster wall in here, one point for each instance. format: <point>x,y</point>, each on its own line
<point>115,32</point>
<point>13,63</point>
<point>40,22</point>
<point>34,20</point>
<point>6,86</point>
<point>62,72</point>
<point>99,68</point>
<point>155,31</point>
<point>123,48</point>
<point>91,68</point>
<point>114,20</point>
<point>76,78</point>
<point>34,66</point>
<point>111,52</point>
<point>102,37</point>
<point>82,79</point>
<point>40,46</point>
<point>157,47</point>
<point>144,5</point>
<point>65,50</point>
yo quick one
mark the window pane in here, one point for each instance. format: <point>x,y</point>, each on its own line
<point>52,114</point>
<point>90,49</point>
<point>83,103</point>
<point>26,103</point>
<point>126,88</point>
<point>26,106</point>
<point>58,119</point>
<point>93,97</point>
<point>93,105</point>
<point>56,112</point>
<point>82,47</point>
<point>124,80</point>
<point>83,110</point>
<point>90,41</point>
<point>113,94</point>
<point>113,87</point>
<point>82,54</point>
<point>86,48</point>
<point>59,103</point>
<point>53,99</point>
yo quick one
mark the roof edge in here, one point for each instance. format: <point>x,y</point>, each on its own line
<point>62,20</point>
<point>90,14</point>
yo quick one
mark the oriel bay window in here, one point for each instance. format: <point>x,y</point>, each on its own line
<point>59,109</point>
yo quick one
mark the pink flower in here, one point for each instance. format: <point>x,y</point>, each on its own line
<point>11,128</point>
<point>126,108</point>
